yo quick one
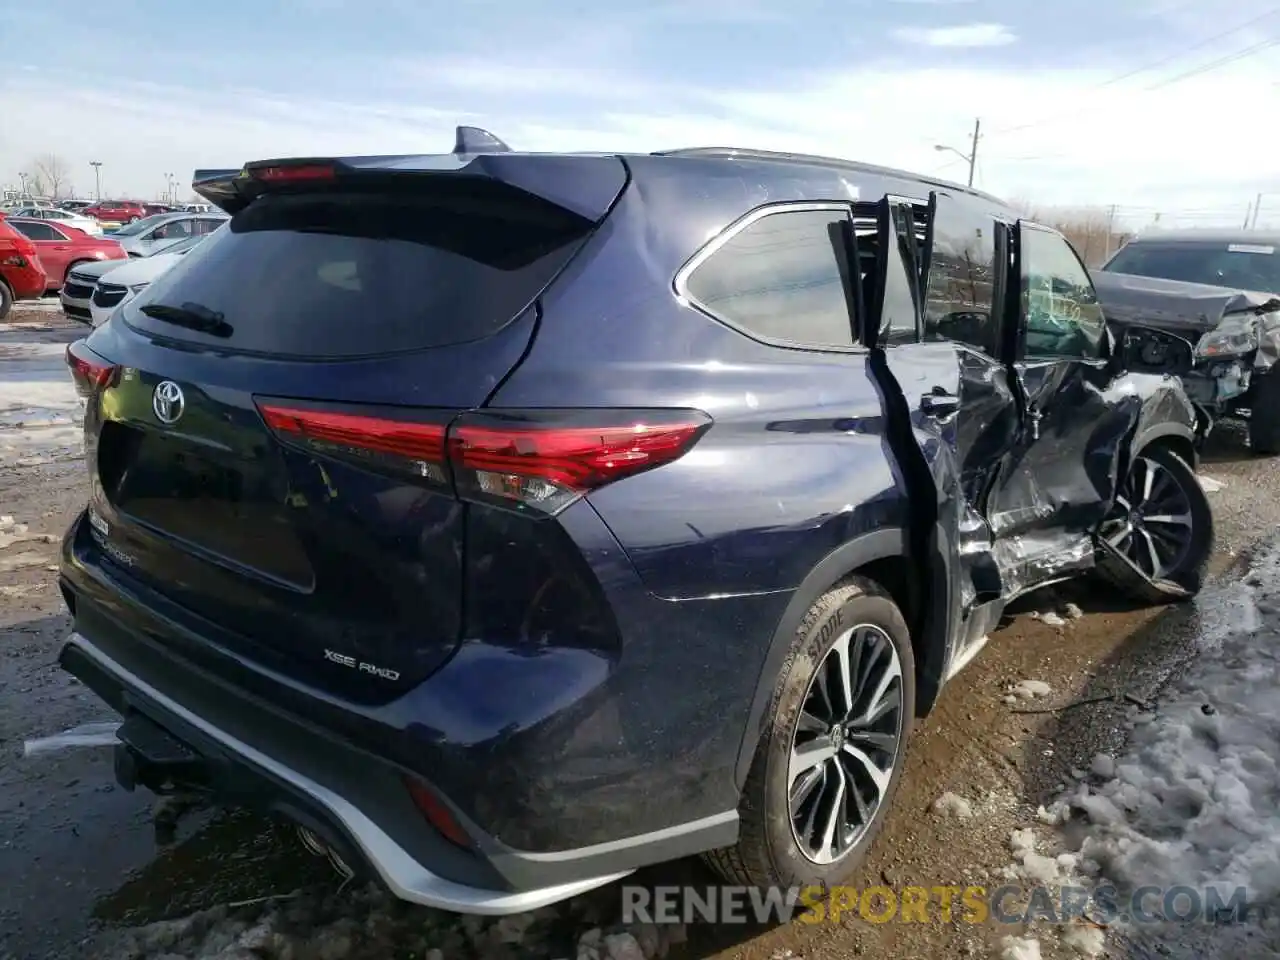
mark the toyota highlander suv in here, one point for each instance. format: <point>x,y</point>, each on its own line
<point>512,521</point>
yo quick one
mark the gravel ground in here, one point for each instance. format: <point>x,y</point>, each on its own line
<point>1004,740</point>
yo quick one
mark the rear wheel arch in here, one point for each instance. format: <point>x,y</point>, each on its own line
<point>882,556</point>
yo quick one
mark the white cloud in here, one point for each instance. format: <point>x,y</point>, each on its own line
<point>969,35</point>
<point>1051,137</point>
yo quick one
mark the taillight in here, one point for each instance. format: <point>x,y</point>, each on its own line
<point>25,246</point>
<point>401,445</point>
<point>90,372</point>
<point>290,174</point>
<point>547,459</point>
<point>535,459</point>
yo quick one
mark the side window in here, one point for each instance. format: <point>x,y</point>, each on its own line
<point>1059,307</point>
<point>36,231</point>
<point>962,279</point>
<point>784,276</point>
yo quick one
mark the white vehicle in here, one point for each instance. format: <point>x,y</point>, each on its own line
<point>151,235</point>
<point>76,294</point>
<point>122,284</point>
<point>65,217</point>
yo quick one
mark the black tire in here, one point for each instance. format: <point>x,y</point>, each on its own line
<point>1264,414</point>
<point>1186,568</point>
<point>767,852</point>
<point>6,299</point>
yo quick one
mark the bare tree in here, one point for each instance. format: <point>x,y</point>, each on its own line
<point>52,172</point>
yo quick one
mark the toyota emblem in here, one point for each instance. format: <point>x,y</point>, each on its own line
<point>168,402</point>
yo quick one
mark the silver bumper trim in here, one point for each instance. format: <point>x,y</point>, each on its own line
<point>404,876</point>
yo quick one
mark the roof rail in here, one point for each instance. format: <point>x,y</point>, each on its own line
<point>477,140</point>
<point>835,163</point>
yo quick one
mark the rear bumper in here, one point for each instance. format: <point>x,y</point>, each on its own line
<point>547,770</point>
<point>26,283</point>
<point>261,779</point>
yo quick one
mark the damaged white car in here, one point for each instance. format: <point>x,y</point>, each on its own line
<point>1220,290</point>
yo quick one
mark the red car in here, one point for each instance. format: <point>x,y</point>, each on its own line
<point>60,247</point>
<point>22,276</point>
<point>115,211</point>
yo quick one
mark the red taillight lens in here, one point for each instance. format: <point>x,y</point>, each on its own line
<point>287,174</point>
<point>537,459</point>
<point>399,444</point>
<point>90,372</point>
<point>26,247</point>
<point>533,460</point>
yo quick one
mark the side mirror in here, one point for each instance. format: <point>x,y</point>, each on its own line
<point>1148,350</point>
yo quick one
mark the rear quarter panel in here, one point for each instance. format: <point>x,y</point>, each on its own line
<point>797,461</point>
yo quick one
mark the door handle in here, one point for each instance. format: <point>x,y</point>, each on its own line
<point>939,404</point>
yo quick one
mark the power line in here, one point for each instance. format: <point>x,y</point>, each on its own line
<point>1215,64</point>
<point>1176,55</point>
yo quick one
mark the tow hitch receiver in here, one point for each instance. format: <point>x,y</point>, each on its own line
<point>149,756</point>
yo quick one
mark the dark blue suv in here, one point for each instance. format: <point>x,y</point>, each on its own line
<point>512,521</point>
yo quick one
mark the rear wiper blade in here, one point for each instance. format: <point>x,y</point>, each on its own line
<point>192,315</point>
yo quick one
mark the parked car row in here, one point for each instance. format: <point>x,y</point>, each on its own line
<point>50,249</point>
<point>93,291</point>
<point>456,507</point>
<point>59,245</point>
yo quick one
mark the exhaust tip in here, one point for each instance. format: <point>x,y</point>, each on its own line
<point>315,845</point>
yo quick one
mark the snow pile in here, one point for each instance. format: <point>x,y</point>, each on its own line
<point>1195,800</point>
<point>1017,948</point>
<point>372,925</point>
<point>953,804</point>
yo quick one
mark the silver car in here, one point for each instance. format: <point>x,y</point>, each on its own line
<point>67,218</point>
<point>154,234</point>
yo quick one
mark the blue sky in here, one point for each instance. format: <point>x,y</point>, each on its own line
<point>160,87</point>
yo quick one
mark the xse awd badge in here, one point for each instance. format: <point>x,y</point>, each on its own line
<point>383,673</point>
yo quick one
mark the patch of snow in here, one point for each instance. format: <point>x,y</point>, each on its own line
<point>1085,940</point>
<point>953,804</point>
<point>1031,689</point>
<point>1195,798</point>
<point>1052,619</point>
<point>1072,612</point>
<point>1019,948</point>
<point>1210,485</point>
<point>1103,766</point>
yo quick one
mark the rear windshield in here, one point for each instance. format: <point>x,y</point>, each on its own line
<point>345,274</point>
<point>1247,266</point>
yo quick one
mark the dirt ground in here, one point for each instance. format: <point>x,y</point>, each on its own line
<point>90,867</point>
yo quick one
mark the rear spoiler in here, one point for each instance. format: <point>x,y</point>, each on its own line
<point>583,185</point>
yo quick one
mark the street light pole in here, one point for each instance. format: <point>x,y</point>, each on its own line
<point>97,179</point>
<point>23,178</point>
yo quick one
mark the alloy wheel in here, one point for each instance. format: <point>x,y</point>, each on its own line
<point>846,744</point>
<point>1151,522</point>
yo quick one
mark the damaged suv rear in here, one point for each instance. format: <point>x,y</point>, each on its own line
<point>512,521</point>
<point>1221,291</point>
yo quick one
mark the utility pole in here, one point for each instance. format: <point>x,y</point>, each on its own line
<point>97,179</point>
<point>1257,204</point>
<point>971,158</point>
<point>1111,229</point>
<point>23,178</point>
<point>973,152</point>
